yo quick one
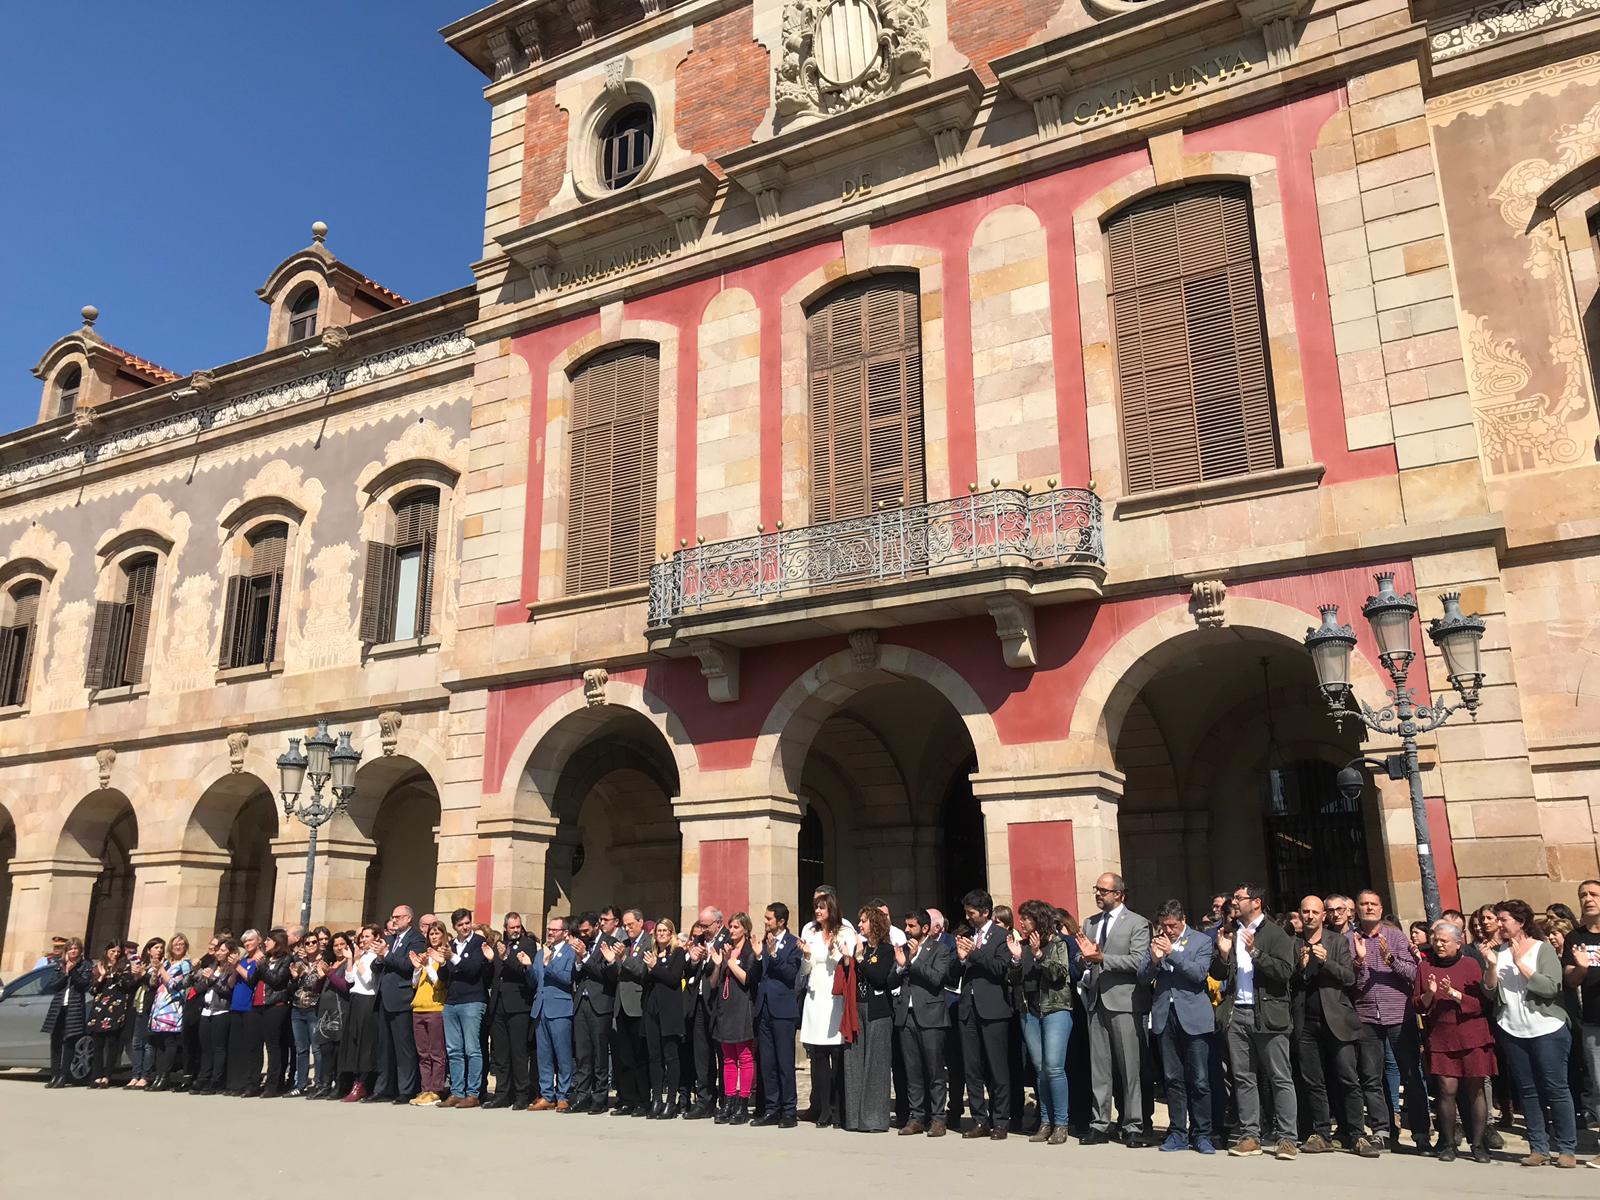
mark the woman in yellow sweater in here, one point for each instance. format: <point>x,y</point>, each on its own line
<point>427,1013</point>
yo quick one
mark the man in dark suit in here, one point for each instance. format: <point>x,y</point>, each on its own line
<point>1254,960</point>
<point>985,1015</point>
<point>596,997</point>
<point>510,1000</point>
<point>1327,1031</point>
<point>1183,1023</point>
<point>397,1062</point>
<point>921,1018</point>
<point>626,970</point>
<point>955,1070</point>
<point>698,997</point>
<point>777,1017</point>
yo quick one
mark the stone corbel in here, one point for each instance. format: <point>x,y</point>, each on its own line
<point>617,70</point>
<point>1207,598</point>
<point>687,212</point>
<point>766,182</point>
<point>1014,625</point>
<point>594,686</point>
<point>1047,110</point>
<point>540,260</point>
<point>946,124</point>
<point>719,663</point>
<point>532,38</point>
<point>503,51</point>
<point>238,742</point>
<point>389,722</point>
<point>104,759</point>
<point>864,649</point>
<point>1278,21</point>
<point>582,13</point>
<point>652,8</point>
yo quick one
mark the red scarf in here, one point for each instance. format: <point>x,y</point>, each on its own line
<point>844,984</point>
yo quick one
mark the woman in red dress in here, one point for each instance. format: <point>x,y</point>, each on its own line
<point>1455,1023</point>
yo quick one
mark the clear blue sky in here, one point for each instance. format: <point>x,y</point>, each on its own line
<point>161,158</point>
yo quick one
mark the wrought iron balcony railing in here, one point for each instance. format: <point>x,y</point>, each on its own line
<point>1061,526</point>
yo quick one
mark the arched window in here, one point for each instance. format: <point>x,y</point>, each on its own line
<point>625,145</point>
<point>303,314</point>
<point>865,377</point>
<point>1190,335</point>
<point>397,596</point>
<point>122,627</point>
<point>17,636</point>
<point>250,618</point>
<point>611,513</point>
<point>68,384</point>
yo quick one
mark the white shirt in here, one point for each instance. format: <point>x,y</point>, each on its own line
<point>978,939</point>
<point>359,973</point>
<point>1107,920</point>
<point>1244,978</point>
<point>1515,1017</point>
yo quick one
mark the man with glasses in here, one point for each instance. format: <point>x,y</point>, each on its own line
<point>1183,1023</point>
<point>1115,943</point>
<point>1254,962</point>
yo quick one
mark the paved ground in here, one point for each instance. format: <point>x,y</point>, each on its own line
<point>523,1154</point>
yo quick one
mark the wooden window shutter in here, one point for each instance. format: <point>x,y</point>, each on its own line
<point>1190,335</point>
<point>611,515</point>
<point>232,622</point>
<point>417,526</point>
<point>10,645</point>
<point>107,618</point>
<point>865,397</point>
<point>269,550</point>
<point>16,643</point>
<point>377,594</point>
<point>141,593</point>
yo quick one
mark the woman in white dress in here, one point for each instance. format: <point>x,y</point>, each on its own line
<point>824,943</point>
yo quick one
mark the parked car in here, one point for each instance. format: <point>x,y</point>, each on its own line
<point>24,1003</point>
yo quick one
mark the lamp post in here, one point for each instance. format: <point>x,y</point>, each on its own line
<point>323,760</point>
<point>1390,614</point>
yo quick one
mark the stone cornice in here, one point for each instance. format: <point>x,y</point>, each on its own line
<point>1455,33</point>
<point>169,414</point>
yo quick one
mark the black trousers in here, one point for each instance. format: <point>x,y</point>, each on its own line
<point>274,1025</point>
<point>985,1052</point>
<point>509,1061</point>
<point>244,1050</point>
<point>1320,1054</point>
<point>397,1054</point>
<point>664,1065</point>
<point>167,1046</point>
<point>775,1056</point>
<point>707,1081</point>
<point>591,1055</point>
<point>59,1049</point>
<point>955,1066</point>
<point>212,1059</point>
<point>106,1044</point>
<point>827,1083</point>
<point>923,1053</point>
<point>1186,1061</point>
<point>627,1053</point>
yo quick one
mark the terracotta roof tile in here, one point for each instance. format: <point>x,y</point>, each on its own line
<point>376,286</point>
<point>144,367</point>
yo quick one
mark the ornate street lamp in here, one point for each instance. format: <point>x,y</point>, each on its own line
<point>323,760</point>
<point>1390,614</point>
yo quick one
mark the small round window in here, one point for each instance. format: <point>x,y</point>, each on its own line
<point>625,143</point>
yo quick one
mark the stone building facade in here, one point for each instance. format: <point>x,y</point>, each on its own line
<point>901,442</point>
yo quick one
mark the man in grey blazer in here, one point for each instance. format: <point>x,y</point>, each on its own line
<point>921,1017</point>
<point>1115,943</point>
<point>1183,1023</point>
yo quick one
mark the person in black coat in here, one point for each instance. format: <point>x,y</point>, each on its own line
<point>663,1017</point>
<point>594,994</point>
<point>397,1045</point>
<point>66,1019</point>
<point>777,1018</point>
<point>985,1016</point>
<point>510,1002</point>
<point>272,976</point>
<point>922,1018</point>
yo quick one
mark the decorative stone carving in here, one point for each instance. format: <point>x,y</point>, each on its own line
<point>582,14</point>
<point>153,513</point>
<point>84,422</point>
<point>719,664</point>
<point>104,759</point>
<point>503,51</point>
<point>389,722</point>
<point>617,70</point>
<point>1206,599</point>
<point>594,686</point>
<point>332,635</point>
<point>1014,625</point>
<point>189,662</point>
<point>204,383</point>
<point>531,36</point>
<point>336,340</point>
<point>62,686</point>
<point>838,54</point>
<point>864,649</point>
<point>1489,23</point>
<point>238,743</point>
<point>1278,21</point>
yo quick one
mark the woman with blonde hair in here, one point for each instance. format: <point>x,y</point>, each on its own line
<point>663,1017</point>
<point>65,1022</point>
<point>167,1006</point>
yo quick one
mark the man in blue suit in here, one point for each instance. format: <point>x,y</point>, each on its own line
<point>550,971</point>
<point>777,1016</point>
<point>1183,1024</point>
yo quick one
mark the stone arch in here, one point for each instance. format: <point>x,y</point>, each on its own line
<point>210,820</point>
<point>861,258</point>
<point>1260,171</point>
<point>794,719</point>
<point>397,810</point>
<point>97,838</point>
<point>1134,659</point>
<point>614,330</point>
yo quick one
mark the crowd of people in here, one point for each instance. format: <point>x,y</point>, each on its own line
<point>1327,1028</point>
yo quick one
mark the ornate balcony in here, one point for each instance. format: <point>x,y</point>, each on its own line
<point>999,551</point>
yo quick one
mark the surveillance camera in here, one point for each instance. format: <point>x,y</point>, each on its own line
<point>1351,783</point>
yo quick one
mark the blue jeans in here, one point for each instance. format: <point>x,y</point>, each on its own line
<point>554,1040</point>
<point>1539,1071</point>
<point>142,1051</point>
<point>1046,1039</point>
<point>463,1046</point>
<point>303,1023</point>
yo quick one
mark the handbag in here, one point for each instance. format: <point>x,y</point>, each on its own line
<point>330,1018</point>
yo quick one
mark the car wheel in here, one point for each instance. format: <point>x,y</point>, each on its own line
<point>81,1065</point>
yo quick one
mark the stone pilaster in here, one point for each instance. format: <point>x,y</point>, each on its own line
<point>711,829</point>
<point>49,897</point>
<point>1055,806</point>
<point>175,891</point>
<point>339,882</point>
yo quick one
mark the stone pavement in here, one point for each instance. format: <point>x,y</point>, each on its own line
<point>507,1153</point>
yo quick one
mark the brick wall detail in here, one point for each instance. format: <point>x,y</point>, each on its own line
<point>544,152</point>
<point>722,85</point>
